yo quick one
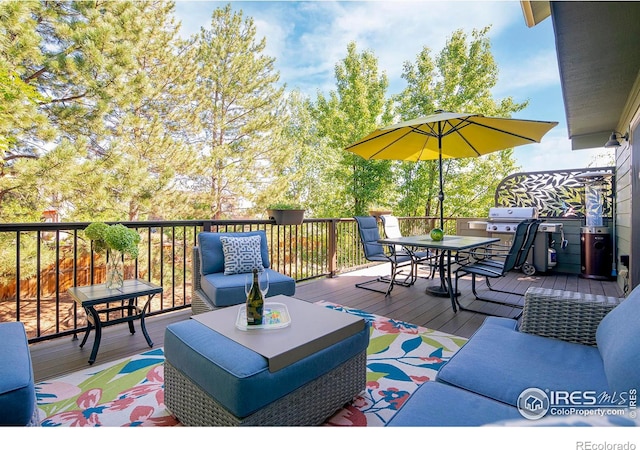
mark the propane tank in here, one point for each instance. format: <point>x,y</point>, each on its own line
<point>552,257</point>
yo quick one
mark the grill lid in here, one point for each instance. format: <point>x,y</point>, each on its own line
<point>516,214</point>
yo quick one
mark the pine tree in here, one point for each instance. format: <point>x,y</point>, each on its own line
<point>239,104</point>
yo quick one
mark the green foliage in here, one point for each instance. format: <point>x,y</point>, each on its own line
<point>108,115</point>
<point>288,206</point>
<point>97,232</point>
<point>240,112</point>
<point>458,79</point>
<point>99,124</point>
<point>357,107</point>
<point>113,237</point>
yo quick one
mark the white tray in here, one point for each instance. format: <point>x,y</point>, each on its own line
<point>274,316</point>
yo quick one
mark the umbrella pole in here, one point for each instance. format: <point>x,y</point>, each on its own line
<point>444,288</point>
<point>441,193</point>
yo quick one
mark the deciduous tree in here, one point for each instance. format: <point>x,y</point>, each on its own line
<point>459,79</point>
<point>358,106</point>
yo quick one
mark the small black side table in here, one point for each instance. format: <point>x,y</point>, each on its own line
<point>91,296</point>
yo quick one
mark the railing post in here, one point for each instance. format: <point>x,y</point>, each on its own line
<point>332,248</point>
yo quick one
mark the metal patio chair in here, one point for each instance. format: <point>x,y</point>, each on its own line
<point>420,258</point>
<point>376,252</point>
<point>496,263</point>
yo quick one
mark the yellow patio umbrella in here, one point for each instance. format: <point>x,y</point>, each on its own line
<point>448,135</point>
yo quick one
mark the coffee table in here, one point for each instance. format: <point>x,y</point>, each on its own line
<point>97,294</point>
<point>312,329</point>
<point>297,375</point>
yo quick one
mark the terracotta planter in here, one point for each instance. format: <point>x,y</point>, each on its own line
<point>286,216</point>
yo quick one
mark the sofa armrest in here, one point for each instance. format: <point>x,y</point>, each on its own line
<point>570,316</point>
<point>200,303</point>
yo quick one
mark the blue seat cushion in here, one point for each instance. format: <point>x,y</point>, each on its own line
<point>17,392</point>
<point>212,254</point>
<point>436,404</point>
<point>618,339</point>
<point>227,290</point>
<point>500,363</point>
<point>238,378</point>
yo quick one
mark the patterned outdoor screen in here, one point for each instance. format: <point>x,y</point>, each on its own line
<point>559,193</point>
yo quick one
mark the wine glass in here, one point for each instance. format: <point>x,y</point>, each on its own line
<point>248,281</point>
<point>263,281</point>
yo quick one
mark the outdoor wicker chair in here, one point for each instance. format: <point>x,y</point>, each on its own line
<point>213,287</point>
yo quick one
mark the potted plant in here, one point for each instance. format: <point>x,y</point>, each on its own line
<point>286,213</point>
<point>118,241</point>
<point>377,211</point>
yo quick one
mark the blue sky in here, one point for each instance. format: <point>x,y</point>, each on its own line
<point>309,38</point>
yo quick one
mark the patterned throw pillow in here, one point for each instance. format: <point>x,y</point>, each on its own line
<point>241,254</point>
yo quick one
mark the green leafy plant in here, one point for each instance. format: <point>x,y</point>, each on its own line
<point>113,237</point>
<point>288,206</point>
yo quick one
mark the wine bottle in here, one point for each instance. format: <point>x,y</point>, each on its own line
<point>255,302</point>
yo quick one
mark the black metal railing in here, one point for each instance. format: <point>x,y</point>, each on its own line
<point>40,261</point>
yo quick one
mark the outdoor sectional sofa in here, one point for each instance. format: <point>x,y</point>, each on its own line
<point>17,391</point>
<point>570,350</point>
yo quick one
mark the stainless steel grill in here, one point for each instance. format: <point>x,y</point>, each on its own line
<point>506,220</point>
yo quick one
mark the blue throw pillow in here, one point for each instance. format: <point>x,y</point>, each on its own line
<point>241,254</point>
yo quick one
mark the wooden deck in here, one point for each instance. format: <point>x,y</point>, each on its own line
<point>410,304</point>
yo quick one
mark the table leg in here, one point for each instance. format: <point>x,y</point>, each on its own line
<point>444,289</point>
<point>88,329</point>
<point>453,294</point>
<point>96,343</point>
<point>142,325</point>
<point>130,307</point>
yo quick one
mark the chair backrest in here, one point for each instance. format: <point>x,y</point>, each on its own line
<point>369,235</point>
<point>212,254</point>
<point>391,227</point>
<point>522,242</point>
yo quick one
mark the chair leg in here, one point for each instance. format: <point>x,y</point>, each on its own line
<point>391,280</point>
<point>487,300</point>
<point>491,288</point>
<point>386,292</point>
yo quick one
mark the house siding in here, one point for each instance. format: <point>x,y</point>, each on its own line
<point>628,214</point>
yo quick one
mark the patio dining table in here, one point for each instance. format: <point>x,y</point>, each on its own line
<point>445,248</point>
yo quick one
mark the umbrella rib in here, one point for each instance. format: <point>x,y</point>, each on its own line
<point>377,137</point>
<point>526,138</point>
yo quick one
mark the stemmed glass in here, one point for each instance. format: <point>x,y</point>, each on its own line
<point>263,281</point>
<point>248,281</point>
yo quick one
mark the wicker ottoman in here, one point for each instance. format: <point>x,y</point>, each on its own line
<point>570,316</point>
<point>212,380</point>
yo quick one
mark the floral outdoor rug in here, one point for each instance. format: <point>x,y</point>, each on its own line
<point>130,392</point>
<point>400,357</point>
